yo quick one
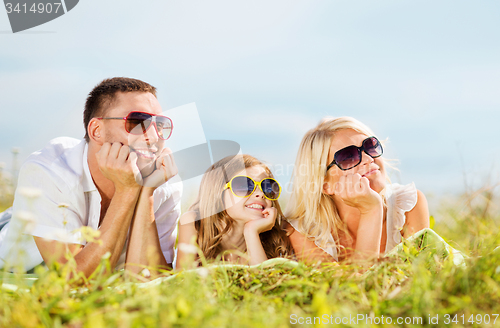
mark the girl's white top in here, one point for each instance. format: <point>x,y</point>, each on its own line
<point>400,199</point>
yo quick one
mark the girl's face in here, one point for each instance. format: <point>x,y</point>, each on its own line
<point>371,168</point>
<point>245,209</point>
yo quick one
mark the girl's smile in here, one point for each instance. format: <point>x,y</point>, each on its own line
<point>244,209</point>
<point>257,206</point>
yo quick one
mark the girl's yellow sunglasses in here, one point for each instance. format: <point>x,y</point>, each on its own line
<point>244,186</point>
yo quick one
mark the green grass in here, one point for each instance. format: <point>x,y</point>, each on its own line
<point>415,284</point>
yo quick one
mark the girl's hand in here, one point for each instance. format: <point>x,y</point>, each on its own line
<point>355,191</point>
<point>251,233</point>
<point>264,224</point>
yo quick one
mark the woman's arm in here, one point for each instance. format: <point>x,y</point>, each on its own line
<point>354,190</point>
<point>306,250</point>
<point>187,233</point>
<point>418,218</point>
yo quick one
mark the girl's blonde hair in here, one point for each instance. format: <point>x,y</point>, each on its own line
<point>314,210</point>
<point>213,222</point>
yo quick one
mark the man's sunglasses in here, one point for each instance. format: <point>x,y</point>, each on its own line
<point>138,123</point>
<point>350,156</point>
<point>243,186</point>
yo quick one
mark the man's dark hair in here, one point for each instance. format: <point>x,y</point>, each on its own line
<point>105,92</point>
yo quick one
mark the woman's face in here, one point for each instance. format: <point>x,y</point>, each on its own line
<point>371,168</point>
<point>245,209</point>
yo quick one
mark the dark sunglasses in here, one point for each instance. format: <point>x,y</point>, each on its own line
<point>138,123</point>
<point>243,186</point>
<point>350,156</point>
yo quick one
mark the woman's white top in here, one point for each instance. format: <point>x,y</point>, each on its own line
<point>400,199</point>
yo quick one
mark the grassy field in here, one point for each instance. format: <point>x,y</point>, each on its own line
<point>417,288</point>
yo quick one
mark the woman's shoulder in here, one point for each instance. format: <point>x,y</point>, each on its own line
<point>418,216</point>
<point>407,212</point>
<point>305,249</point>
<point>403,197</point>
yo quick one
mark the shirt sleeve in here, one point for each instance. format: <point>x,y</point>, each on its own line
<point>402,199</point>
<point>167,212</point>
<point>46,206</point>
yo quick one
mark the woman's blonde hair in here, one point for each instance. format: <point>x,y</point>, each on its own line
<point>213,222</point>
<point>315,211</point>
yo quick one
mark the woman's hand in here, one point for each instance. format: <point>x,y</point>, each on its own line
<point>355,191</point>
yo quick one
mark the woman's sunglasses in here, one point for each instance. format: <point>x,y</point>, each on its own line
<point>350,156</point>
<point>243,186</point>
<point>138,123</point>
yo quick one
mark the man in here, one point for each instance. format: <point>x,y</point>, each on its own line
<point>112,181</point>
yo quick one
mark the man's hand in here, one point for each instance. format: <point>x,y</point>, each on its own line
<point>118,165</point>
<point>164,171</point>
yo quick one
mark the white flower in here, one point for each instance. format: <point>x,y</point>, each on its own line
<point>30,193</point>
<point>187,248</point>
<point>145,273</point>
<point>203,272</point>
<point>28,219</point>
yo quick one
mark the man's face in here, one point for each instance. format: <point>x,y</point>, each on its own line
<point>147,146</point>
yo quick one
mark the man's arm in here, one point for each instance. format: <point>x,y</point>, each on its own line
<point>144,246</point>
<point>114,229</point>
<point>144,249</point>
<point>118,165</point>
<point>187,236</point>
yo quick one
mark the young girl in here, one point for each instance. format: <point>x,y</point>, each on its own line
<point>342,206</point>
<point>237,210</point>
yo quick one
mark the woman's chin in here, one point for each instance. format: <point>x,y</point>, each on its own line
<point>378,186</point>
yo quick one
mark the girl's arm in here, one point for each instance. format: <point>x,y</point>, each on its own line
<point>252,232</point>
<point>418,218</point>
<point>185,247</point>
<point>305,249</point>
<point>255,250</point>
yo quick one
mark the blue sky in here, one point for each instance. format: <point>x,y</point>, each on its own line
<point>424,74</point>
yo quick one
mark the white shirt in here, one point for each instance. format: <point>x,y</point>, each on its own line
<point>68,201</point>
<point>400,199</point>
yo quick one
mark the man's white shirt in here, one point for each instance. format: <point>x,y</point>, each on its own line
<point>68,200</point>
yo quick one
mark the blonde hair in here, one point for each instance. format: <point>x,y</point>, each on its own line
<point>315,211</point>
<point>213,222</point>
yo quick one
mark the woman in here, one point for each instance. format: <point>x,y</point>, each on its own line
<point>343,206</point>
